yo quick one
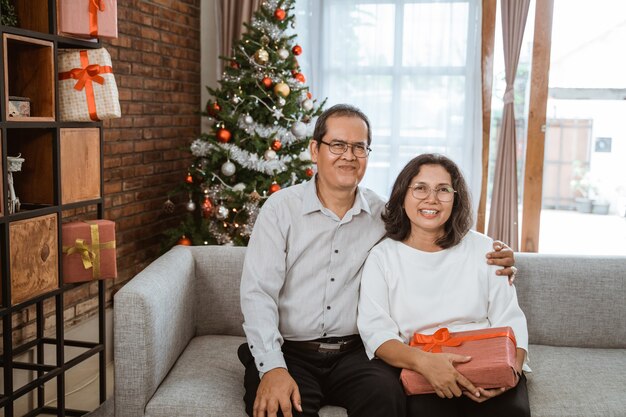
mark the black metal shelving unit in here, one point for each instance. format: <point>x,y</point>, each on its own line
<point>44,369</point>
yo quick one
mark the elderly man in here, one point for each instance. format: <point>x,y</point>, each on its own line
<point>300,284</point>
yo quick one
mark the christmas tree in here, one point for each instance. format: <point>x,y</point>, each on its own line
<point>261,123</point>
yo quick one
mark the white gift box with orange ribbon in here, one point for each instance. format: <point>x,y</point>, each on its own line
<point>87,88</point>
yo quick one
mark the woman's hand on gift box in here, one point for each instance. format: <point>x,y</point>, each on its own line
<point>486,394</point>
<point>439,370</point>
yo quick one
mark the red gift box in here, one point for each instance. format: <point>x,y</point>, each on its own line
<point>493,353</point>
<point>89,250</point>
<point>88,18</point>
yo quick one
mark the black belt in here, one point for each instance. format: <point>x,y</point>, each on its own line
<point>327,344</point>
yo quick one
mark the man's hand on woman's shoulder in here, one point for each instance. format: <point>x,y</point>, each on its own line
<point>503,256</point>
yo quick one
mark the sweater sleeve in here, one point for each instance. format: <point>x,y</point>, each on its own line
<point>374,318</point>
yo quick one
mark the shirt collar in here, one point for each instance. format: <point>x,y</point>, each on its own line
<point>311,201</point>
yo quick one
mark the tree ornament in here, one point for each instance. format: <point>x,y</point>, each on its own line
<point>207,207</point>
<point>276,145</point>
<point>248,119</point>
<point>191,206</point>
<point>280,14</point>
<point>297,50</point>
<point>234,64</point>
<point>309,95</point>
<point>305,155</point>
<point>223,135</point>
<point>269,155</point>
<point>282,89</point>
<point>309,172</point>
<point>213,109</point>
<point>169,207</point>
<point>299,130</point>
<point>274,187</point>
<point>265,40</point>
<point>300,77</point>
<point>236,99</point>
<point>281,102</point>
<point>306,118</point>
<point>228,168</point>
<point>189,179</point>
<point>184,240</point>
<point>283,53</point>
<point>307,105</point>
<point>221,212</point>
<point>254,196</point>
<point>239,187</point>
<point>261,56</point>
<point>267,82</point>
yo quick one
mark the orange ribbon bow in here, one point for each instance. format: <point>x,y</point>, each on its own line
<point>443,337</point>
<point>94,7</point>
<point>85,77</point>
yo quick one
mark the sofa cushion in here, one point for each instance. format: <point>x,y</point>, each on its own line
<point>206,381</point>
<point>573,301</point>
<point>218,274</point>
<point>576,382</point>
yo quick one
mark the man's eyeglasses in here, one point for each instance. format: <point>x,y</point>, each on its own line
<point>422,191</point>
<point>360,150</point>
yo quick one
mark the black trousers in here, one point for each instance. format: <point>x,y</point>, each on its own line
<point>512,403</point>
<point>366,388</point>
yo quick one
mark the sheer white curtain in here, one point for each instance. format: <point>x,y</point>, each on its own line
<point>413,66</point>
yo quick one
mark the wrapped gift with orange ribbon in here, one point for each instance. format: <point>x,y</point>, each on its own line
<point>87,88</point>
<point>493,353</point>
<point>89,250</point>
<point>88,18</point>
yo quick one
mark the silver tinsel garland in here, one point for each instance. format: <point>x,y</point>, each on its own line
<point>200,148</point>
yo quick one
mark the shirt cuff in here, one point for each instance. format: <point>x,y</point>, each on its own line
<point>270,360</point>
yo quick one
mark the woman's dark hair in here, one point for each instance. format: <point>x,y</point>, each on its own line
<point>398,225</point>
<point>339,110</point>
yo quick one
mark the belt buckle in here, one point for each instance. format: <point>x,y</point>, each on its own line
<point>329,347</point>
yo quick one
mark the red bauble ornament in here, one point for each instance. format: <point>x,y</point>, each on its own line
<point>276,145</point>
<point>274,187</point>
<point>280,14</point>
<point>223,135</point>
<point>213,109</point>
<point>267,82</point>
<point>184,240</point>
<point>309,95</point>
<point>300,77</point>
<point>309,172</point>
<point>189,179</point>
<point>297,50</point>
<point>207,207</point>
<point>234,64</point>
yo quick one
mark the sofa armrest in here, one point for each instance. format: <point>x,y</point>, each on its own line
<point>153,323</point>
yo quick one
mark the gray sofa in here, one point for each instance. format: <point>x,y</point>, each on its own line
<point>178,325</point>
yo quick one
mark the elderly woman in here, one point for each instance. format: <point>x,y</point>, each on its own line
<point>425,276</point>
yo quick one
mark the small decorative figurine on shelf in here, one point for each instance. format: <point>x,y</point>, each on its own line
<point>14,165</point>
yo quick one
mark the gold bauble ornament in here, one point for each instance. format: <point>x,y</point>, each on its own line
<point>261,56</point>
<point>281,89</point>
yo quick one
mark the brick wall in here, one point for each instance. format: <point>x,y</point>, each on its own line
<point>156,61</point>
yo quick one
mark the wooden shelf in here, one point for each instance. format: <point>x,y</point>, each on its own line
<point>80,164</point>
<point>33,15</point>
<point>29,72</point>
<point>34,184</point>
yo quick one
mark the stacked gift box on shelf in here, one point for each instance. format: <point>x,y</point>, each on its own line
<point>88,18</point>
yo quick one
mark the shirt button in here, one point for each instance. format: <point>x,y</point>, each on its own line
<point>324,334</point>
<point>327,307</point>
<point>332,279</point>
<point>261,364</point>
<point>251,347</point>
<point>336,250</point>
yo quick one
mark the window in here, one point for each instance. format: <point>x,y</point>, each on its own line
<point>413,66</point>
